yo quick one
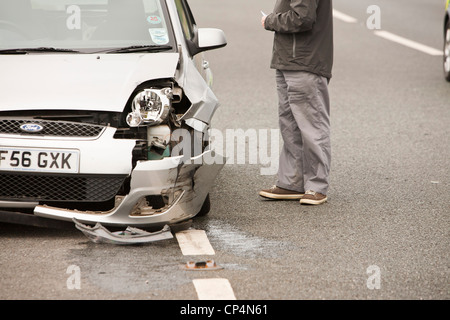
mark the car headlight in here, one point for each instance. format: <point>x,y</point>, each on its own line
<point>150,107</point>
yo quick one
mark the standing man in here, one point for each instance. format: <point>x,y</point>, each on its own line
<point>303,59</point>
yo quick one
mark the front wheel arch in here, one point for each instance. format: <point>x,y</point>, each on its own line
<point>206,207</point>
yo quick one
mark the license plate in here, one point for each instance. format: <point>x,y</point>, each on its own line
<point>39,160</point>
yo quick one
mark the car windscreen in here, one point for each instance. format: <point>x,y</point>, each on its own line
<point>84,25</point>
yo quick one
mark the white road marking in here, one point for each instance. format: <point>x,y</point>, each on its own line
<point>392,37</point>
<point>409,43</point>
<point>194,242</point>
<point>343,17</point>
<point>214,289</point>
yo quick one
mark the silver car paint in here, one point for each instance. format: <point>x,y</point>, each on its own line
<point>78,81</point>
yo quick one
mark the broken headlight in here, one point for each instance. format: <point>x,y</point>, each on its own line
<point>150,107</point>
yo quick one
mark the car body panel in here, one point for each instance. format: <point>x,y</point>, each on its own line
<point>93,152</point>
<point>101,82</point>
<point>187,193</point>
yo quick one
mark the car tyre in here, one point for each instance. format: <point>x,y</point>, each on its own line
<point>206,207</point>
<point>447,51</point>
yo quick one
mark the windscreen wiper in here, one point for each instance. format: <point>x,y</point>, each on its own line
<point>144,48</point>
<point>39,49</point>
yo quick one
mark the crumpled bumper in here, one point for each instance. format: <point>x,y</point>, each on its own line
<point>130,236</point>
<point>185,184</point>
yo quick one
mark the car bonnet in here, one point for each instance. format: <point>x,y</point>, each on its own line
<point>97,82</point>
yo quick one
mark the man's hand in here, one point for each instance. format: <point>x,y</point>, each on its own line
<point>263,19</point>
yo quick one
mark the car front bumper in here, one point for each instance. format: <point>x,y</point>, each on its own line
<point>184,183</point>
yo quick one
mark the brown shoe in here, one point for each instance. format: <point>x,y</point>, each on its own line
<point>314,198</point>
<point>280,194</point>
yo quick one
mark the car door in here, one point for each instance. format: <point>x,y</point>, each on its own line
<point>189,29</point>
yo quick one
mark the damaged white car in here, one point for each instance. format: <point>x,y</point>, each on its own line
<point>105,108</point>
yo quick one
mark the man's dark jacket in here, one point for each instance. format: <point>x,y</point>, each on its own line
<point>303,36</point>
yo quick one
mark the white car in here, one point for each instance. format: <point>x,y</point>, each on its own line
<point>105,108</point>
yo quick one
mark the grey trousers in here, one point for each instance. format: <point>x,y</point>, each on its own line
<point>304,120</point>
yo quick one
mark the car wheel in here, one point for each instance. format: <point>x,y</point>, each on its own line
<point>447,52</point>
<point>205,207</point>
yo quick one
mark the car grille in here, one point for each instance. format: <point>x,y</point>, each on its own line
<point>51,128</point>
<point>50,187</point>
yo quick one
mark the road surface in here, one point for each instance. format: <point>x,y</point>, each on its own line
<point>384,234</point>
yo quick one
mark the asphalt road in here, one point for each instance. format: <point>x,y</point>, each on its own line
<point>389,201</point>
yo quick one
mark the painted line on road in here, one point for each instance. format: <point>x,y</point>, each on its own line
<point>343,17</point>
<point>214,289</point>
<point>194,242</point>
<point>392,37</point>
<point>409,43</point>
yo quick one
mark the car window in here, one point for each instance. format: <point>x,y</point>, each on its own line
<point>186,18</point>
<point>78,24</point>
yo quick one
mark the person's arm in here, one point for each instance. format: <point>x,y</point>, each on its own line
<point>301,17</point>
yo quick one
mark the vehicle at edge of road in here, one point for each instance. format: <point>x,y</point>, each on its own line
<point>92,96</point>
<point>447,42</point>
